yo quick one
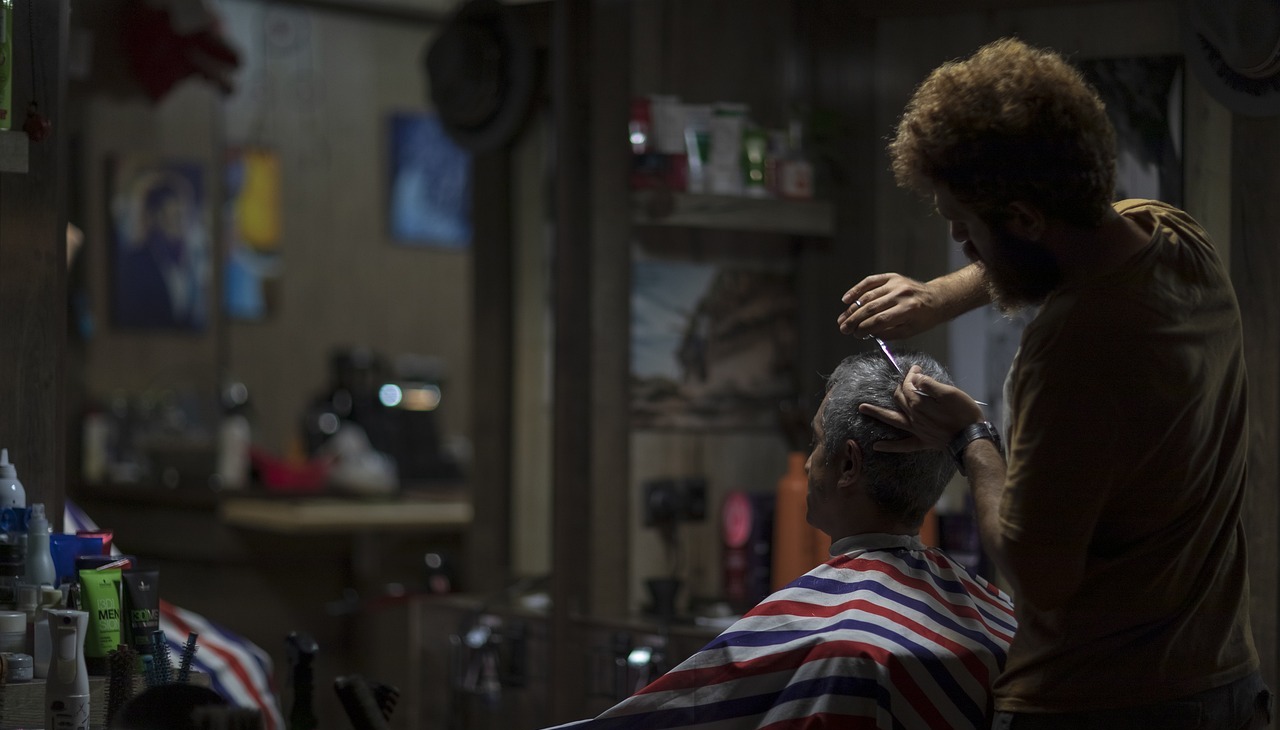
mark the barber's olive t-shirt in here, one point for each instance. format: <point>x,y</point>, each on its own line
<point>1127,446</point>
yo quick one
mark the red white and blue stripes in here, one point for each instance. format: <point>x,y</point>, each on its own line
<point>887,635</point>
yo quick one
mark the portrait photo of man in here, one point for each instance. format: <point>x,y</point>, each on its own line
<point>160,257</point>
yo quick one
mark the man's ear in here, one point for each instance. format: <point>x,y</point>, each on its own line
<point>1026,221</point>
<point>850,464</point>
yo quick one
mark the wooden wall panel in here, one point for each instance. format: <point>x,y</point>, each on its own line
<point>33,262</point>
<point>345,280</point>
<point>837,53</point>
<point>322,102</point>
<point>609,303</point>
<point>572,448</point>
<point>531,407</point>
<point>1255,268</point>
<point>706,51</point>
<point>488,547</point>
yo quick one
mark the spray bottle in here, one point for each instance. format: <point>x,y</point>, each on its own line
<point>12,494</point>
<point>66,691</point>
<point>40,570</point>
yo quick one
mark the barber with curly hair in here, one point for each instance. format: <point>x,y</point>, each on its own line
<point>1114,514</point>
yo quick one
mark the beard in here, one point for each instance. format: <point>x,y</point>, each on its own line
<point>1020,273</point>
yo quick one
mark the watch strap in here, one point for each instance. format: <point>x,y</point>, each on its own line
<point>969,434</point>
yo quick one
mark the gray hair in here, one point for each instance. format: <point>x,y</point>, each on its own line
<point>905,485</point>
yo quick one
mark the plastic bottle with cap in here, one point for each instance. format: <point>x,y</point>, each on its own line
<point>66,688</point>
<point>13,632</point>
<point>12,493</point>
<point>18,667</point>
<point>40,570</point>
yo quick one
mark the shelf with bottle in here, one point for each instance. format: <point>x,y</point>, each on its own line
<point>713,166</point>
<point>732,212</point>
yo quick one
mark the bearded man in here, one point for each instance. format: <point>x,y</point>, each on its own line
<point>1114,517</point>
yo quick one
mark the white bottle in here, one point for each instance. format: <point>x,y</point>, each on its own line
<point>233,451</point>
<point>40,570</point>
<point>11,492</point>
<point>41,644</point>
<point>66,691</point>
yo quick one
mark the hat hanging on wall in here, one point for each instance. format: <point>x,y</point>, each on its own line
<point>1233,47</point>
<point>480,71</point>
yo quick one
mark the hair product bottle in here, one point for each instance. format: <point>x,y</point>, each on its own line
<point>40,571</point>
<point>66,691</point>
<point>12,493</point>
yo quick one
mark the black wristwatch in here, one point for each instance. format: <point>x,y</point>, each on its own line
<point>971,433</point>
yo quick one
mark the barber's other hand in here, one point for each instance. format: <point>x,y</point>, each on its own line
<point>891,306</point>
<point>933,413</point>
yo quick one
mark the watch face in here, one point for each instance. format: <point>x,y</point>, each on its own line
<point>736,519</point>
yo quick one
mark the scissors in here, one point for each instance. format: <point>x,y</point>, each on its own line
<point>884,347</point>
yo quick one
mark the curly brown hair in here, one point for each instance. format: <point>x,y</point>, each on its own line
<point>1010,123</point>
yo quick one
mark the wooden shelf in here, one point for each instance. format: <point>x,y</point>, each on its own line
<point>13,151</point>
<point>327,515</point>
<point>732,213</point>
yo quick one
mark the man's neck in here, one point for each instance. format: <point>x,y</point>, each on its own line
<point>875,527</point>
<point>874,541</point>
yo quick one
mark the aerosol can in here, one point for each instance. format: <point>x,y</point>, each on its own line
<point>66,690</point>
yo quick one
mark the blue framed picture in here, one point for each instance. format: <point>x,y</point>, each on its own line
<point>430,187</point>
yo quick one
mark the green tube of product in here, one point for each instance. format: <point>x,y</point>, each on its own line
<point>100,598</point>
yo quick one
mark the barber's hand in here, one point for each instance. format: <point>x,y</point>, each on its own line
<point>931,411</point>
<point>891,306</point>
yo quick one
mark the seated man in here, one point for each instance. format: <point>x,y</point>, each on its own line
<point>887,634</point>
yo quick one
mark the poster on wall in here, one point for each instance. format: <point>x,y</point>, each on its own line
<point>251,225</point>
<point>712,345</point>
<point>430,187</point>
<point>160,247</point>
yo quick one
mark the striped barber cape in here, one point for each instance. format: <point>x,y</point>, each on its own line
<point>888,634</point>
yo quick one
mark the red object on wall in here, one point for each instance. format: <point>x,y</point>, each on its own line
<point>37,126</point>
<point>160,57</point>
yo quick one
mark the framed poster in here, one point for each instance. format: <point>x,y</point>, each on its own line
<point>160,258</point>
<point>430,191</point>
<point>713,346</point>
<point>252,229</point>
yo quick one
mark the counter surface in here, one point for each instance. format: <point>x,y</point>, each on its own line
<point>334,515</point>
